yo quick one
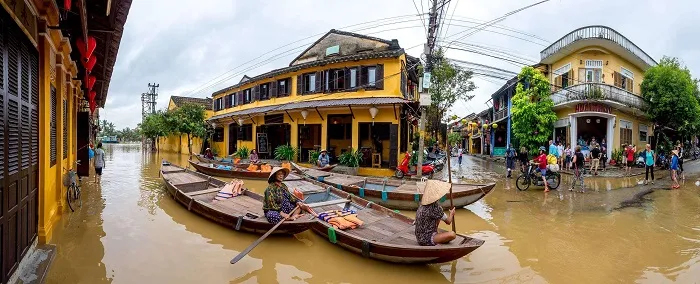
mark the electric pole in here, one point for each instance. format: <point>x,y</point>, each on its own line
<point>148,104</point>
<point>433,25</point>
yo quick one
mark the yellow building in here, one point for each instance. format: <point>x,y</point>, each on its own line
<point>346,91</point>
<point>596,74</point>
<point>178,143</point>
<point>45,118</point>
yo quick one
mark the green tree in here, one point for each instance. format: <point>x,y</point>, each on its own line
<point>188,119</point>
<point>672,95</point>
<point>107,129</point>
<point>532,113</point>
<point>155,126</point>
<point>448,84</point>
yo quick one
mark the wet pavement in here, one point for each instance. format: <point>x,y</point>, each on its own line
<point>130,231</point>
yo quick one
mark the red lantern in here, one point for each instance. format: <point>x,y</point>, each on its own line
<point>93,105</point>
<point>90,64</point>
<point>86,49</point>
<point>90,81</point>
<point>91,95</point>
<point>66,4</point>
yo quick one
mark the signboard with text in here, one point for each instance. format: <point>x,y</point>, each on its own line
<point>593,107</point>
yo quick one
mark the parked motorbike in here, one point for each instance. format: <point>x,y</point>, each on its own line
<point>403,169</point>
<point>533,177</point>
<point>437,160</point>
<point>640,162</point>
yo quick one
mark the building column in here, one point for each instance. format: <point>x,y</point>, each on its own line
<point>324,132</point>
<point>60,159</point>
<point>47,174</point>
<point>294,137</point>
<point>355,144</point>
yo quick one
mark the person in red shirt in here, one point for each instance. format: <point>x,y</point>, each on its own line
<point>541,160</point>
<point>629,153</point>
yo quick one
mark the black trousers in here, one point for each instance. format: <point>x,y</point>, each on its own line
<point>649,168</point>
<point>680,164</point>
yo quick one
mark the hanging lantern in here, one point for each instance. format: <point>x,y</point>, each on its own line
<point>486,126</point>
<point>66,4</point>
<point>92,95</point>
<point>464,121</point>
<point>240,121</point>
<point>304,114</point>
<point>89,64</point>
<point>90,82</point>
<point>373,112</point>
<point>86,48</point>
<point>494,126</point>
<point>93,105</point>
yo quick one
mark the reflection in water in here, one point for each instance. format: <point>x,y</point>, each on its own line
<point>130,231</point>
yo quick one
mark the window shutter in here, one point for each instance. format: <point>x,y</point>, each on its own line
<point>346,78</point>
<point>557,83</point>
<point>65,130</point>
<point>241,98</point>
<point>358,76</point>
<point>319,82</point>
<point>379,77</point>
<point>582,75</point>
<point>327,82</point>
<point>630,85</point>
<point>273,89</point>
<point>617,79</point>
<point>363,77</point>
<point>300,84</point>
<point>570,78</point>
<point>256,94</point>
<point>227,101</point>
<point>53,134</point>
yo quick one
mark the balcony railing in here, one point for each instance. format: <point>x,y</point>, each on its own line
<point>596,32</point>
<point>597,92</point>
<point>500,114</point>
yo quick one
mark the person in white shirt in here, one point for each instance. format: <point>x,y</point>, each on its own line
<point>459,155</point>
<point>560,149</point>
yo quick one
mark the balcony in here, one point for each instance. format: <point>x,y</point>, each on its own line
<point>501,114</point>
<point>598,92</point>
<point>597,35</point>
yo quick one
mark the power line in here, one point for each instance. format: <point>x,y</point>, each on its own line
<point>420,13</point>
<point>451,17</point>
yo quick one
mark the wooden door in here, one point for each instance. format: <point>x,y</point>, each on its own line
<point>83,143</point>
<point>393,144</point>
<point>19,157</point>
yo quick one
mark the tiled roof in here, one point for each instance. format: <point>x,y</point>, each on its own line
<point>205,102</point>
<point>314,104</point>
<point>335,59</point>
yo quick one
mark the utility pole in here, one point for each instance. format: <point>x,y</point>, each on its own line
<point>148,104</point>
<point>433,25</point>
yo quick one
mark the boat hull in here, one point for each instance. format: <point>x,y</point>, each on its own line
<point>239,173</point>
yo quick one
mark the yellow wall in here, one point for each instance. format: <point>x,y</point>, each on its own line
<point>611,63</point>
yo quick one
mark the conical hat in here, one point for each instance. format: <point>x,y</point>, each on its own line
<point>434,190</point>
<point>274,172</point>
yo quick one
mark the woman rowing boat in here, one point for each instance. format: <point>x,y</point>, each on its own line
<point>278,202</point>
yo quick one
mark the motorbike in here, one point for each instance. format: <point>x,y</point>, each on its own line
<point>532,177</point>
<point>663,161</point>
<point>403,169</point>
<point>437,160</point>
<point>640,162</point>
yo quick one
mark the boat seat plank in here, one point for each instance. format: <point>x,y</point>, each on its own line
<point>210,190</point>
<point>171,169</point>
<point>183,178</point>
<point>329,202</point>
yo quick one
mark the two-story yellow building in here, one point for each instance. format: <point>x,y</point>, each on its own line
<point>178,143</point>
<point>596,74</point>
<point>345,92</point>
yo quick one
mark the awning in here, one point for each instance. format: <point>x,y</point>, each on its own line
<point>314,104</point>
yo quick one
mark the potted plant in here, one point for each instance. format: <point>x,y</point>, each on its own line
<point>286,154</point>
<point>241,153</point>
<point>351,160</point>
<point>313,156</point>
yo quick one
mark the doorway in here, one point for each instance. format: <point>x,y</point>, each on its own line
<point>375,139</point>
<point>339,135</point>
<point>232,138</point>
<point>590,127</point>
<point>277,134</point>
<point>309,140</point>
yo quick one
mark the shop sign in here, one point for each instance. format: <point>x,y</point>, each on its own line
<point>593,107</point>
<point>23,15</point>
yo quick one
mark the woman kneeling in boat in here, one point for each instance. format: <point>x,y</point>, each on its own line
<point>279,202</point>
<point>430,214</point>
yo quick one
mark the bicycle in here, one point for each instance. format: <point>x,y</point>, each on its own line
<point>73,191</point>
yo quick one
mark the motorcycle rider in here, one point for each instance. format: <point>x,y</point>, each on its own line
<point>541,160</point>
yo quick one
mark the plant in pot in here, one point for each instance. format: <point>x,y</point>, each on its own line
<point>241,153</point>
<point>313,156</point>
<point>351,159</point>
<point>286,154</point>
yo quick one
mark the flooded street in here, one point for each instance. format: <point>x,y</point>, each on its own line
<point>130,231</point>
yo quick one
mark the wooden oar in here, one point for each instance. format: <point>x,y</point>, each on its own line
<point>449,178</point>
<point>257,242</point>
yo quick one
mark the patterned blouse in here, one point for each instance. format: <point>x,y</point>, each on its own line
<point>427,218</point>
<point>275,195</point>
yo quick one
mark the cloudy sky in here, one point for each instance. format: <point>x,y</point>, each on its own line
<point>195,49</point>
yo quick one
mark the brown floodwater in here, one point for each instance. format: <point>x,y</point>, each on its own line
<point>130,231</point>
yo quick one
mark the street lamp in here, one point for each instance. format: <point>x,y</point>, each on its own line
<point>240,121</point>
<point>373,112</point>
<point>304,114</point>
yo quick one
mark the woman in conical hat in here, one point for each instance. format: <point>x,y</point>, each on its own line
<point>430,214</point>
<point>278,202</point>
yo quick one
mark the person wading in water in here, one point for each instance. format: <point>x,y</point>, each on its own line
<point>649,158</point>
<point>99,162</point>
<point>510,159</point>
<point>577,163</point>
<point>430,214</point>
<point>278,202</point>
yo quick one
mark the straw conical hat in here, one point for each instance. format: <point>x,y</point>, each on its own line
<point>434,190</point>
<point>274,172</point>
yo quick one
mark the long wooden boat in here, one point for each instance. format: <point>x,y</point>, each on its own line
<point>235,172</point>
<point>385,234</point>
<point>196,191</point>
<point>395,194</point>
<point>203,159</point>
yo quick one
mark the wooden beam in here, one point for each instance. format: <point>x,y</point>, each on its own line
<point>393,106</point>
<point>251,119</point>
<point>319,113</point>
<point>353,114</point>
<point>109,6</point>
<point>290,117</point>
<point>83,20</point>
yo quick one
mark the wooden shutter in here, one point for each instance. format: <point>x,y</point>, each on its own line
<point>319,82</point>
<point>256,93</point>
<point>358,76</point>
<point>346,78</point>
<point>273,89</point>
<point>393,144</point>
<point>617,79</point>
<point>630,85</point>
<point>571,78</point>
<point>24,56</point>
<point>557,83</point>
<point>379,77</point>
<point>53,127</point>
<point>241,98</point>
<point>582,75</point>
<point>227,101</point>
<point>327,80</point>
<point>363,77</point>
<point>300,84</point>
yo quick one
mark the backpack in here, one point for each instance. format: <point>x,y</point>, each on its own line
<point>551,159</point>
<point>510,153</point>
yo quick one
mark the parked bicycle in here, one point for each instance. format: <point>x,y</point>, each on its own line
<point>73,192</point>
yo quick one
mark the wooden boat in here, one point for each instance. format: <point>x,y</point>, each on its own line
<point>203,159</point>
<point>196,191</point>
<point>326,168</point>
<point>385,234</point>
<point>208,169</point>
<point>395,194</point>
